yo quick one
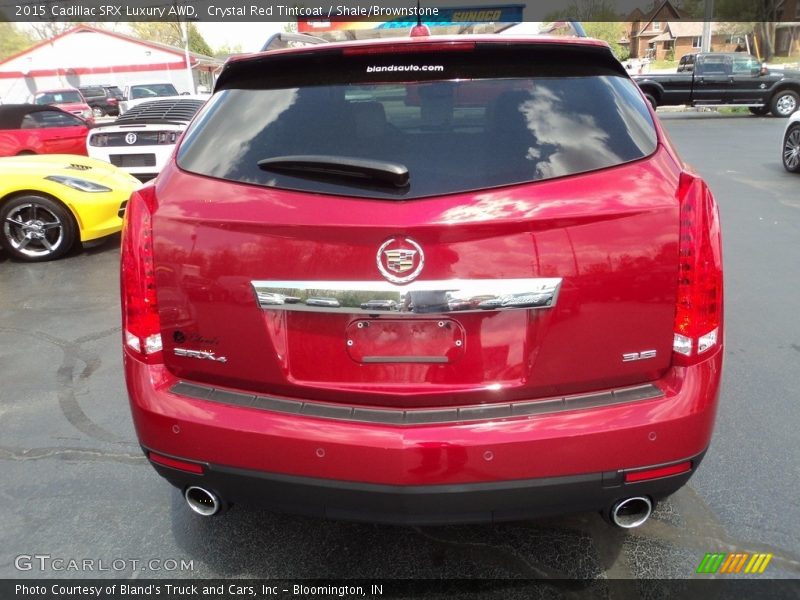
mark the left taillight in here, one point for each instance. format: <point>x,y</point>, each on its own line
<point>698,311</point>
<point>141,325</point>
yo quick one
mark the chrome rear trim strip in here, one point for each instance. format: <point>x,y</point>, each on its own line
<point>418,297</point>
<point>420,416</point>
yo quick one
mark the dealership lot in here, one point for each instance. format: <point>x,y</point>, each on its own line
<point>77,487</point>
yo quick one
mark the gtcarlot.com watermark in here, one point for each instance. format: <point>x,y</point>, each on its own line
<point>58,564</point>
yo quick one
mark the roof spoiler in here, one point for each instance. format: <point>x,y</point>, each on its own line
<point>283,40</point>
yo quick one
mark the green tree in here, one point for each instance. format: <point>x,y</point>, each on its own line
<point>744,10</point>
<point>171,33</point>
<point>226,50</point>
<point>13,39</point>
<point>694,8</point>
<point>586,10</point>
<point>45,30</point>
<point>732,10</point>
<point>197,43</point>
<point>608,31</point>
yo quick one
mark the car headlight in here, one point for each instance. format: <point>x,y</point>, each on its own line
<point>79,184</point>
<point>86,114</point>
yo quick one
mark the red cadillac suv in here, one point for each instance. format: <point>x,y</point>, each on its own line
<point>425,281</point>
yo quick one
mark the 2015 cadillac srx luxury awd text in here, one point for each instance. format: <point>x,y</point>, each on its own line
<point>427,280</point>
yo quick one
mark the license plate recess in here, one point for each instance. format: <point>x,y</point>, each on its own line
<point>431,341</point>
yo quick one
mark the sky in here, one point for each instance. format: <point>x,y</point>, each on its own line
<point>251,36</point>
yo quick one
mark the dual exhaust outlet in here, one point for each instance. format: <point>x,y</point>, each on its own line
<point>631,512</point>
<point>202,501</point>
<point>627,513</point>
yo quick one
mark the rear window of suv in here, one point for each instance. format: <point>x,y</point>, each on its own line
<point>457,121</point>
<point>92,92</point>
<point>152,90</point>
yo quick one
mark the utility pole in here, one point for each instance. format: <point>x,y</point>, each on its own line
<point>189,75</point>
<point>705,46</point>
<point>184,29</point>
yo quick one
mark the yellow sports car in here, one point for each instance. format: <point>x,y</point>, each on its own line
<point>49,202</point>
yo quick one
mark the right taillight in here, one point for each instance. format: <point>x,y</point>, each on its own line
<point>698,314</point>
<point>141,326</point>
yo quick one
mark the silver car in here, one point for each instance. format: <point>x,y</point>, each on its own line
<point>790,150</point>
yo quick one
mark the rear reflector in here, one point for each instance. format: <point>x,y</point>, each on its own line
<point>175,464</point>
<point>659,472</point>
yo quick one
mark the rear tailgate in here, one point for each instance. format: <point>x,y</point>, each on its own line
<point>614,251</point>
<point>584,199</point>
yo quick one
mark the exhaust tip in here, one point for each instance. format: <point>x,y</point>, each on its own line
<point>631,512</point>
<point>202,501</point>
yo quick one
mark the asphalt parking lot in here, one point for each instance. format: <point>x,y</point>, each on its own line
<point>75,484</point>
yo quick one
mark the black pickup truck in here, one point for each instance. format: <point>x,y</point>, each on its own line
<point>726,79</point>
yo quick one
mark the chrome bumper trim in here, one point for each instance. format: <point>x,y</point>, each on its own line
<point>418,297</point>
<point>420,416</point>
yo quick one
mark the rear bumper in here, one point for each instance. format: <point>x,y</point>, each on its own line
<point>428,504</point>
<point>492,469</point>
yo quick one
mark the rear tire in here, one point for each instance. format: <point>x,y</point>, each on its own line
<point>790,154</point>
<point>36,228</point>
<point>784,103</point>
<point>652,100</point>
<point>759,111</point>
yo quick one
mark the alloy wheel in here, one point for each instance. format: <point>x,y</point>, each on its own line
<point>791,150</point>
<point>786,104</point>
<point>33,230</point>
